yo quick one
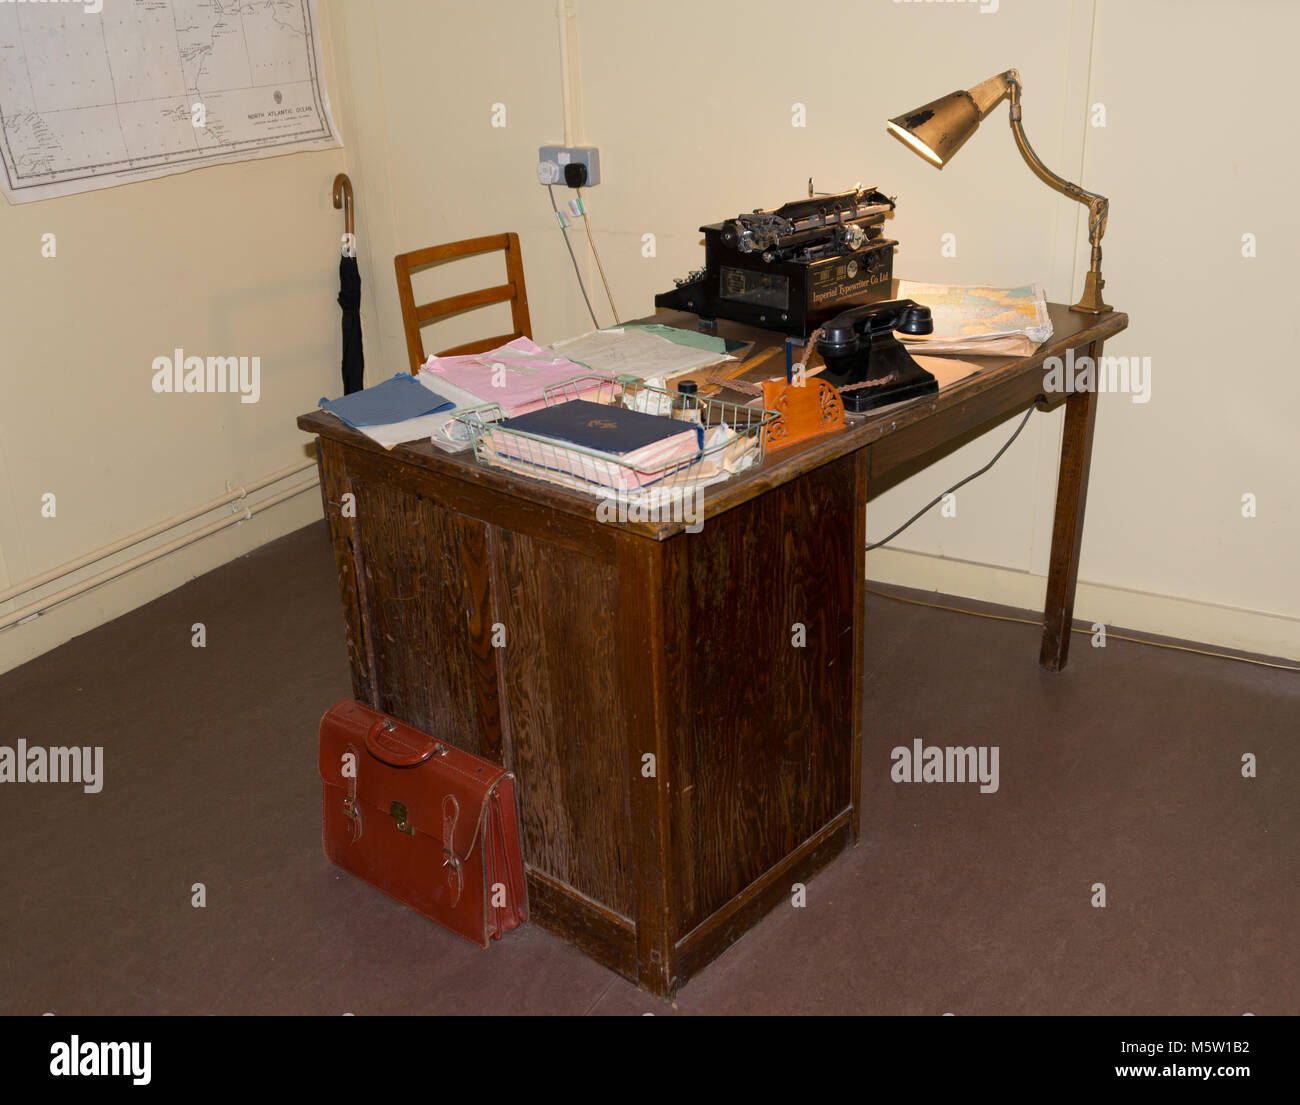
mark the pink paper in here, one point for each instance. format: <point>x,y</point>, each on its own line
<point>640,468</point>
<point>515,375</point>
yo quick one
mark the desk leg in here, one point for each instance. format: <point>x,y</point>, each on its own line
<point>861,466</point>
<point>1067,530</point>
<point>640,648</point>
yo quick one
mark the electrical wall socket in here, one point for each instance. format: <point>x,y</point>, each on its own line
<point>560,156</point>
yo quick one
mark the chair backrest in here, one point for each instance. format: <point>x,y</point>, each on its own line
<point>414,316</point>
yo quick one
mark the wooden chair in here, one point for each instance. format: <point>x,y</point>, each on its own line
<point>414,316</point>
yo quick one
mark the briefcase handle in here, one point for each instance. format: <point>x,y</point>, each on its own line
<point>399,746</point>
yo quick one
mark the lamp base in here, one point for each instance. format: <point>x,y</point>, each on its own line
<point>1090,303</point>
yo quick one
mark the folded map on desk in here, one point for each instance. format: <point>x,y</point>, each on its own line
<point>979,319</point>
<point>605,446</point>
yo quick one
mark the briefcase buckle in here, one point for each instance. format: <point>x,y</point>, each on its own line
<point>398,812</point>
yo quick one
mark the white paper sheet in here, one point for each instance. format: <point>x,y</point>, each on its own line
<point>635,353</point>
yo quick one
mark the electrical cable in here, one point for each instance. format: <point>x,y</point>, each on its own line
<point>962,483</point>
<point>564,230</point>
<point>592,242</point>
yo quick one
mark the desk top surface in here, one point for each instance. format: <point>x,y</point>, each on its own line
<point>1070,330</point>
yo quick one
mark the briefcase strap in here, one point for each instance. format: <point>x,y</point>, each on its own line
<point>351,807</point>
<point>450,815</point>
<point>456,876</point>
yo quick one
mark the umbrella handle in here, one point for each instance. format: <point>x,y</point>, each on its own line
<point>343,199</point>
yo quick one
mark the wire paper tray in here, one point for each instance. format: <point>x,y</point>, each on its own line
<point>601,474</point>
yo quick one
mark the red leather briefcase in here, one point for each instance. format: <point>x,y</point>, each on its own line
<point>426,823</point>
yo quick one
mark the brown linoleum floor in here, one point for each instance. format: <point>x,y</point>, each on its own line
<point>1123,770</point>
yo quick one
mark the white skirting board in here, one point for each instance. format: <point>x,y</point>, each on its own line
<point>1257,631</point>
<point>84,612</point>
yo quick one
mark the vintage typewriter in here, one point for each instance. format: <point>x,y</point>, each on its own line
<point>792,268</point>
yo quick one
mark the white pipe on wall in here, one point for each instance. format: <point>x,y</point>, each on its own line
<point>562,16</point>
<point>109,574</point>
<point>153,531</point>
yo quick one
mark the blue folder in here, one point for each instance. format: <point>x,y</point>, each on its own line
<point>394,400</point>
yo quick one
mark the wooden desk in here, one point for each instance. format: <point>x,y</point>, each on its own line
<point>630,641</point>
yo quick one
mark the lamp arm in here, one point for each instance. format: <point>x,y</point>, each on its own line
<point>1098,205</point>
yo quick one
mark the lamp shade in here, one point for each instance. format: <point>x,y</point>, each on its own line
<point>936,130</point>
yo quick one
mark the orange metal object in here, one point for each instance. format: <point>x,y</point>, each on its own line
<point>806,410</point>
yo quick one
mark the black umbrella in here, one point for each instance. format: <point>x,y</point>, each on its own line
<point>354,362</point>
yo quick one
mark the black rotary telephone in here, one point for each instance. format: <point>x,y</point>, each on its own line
<point>859,347</point>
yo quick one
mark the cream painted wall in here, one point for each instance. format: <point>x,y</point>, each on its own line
<point>425,80</point>
<point>690,104</point>
<point>234,260</point>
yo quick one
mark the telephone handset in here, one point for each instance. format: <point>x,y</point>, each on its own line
<point>859,348</point>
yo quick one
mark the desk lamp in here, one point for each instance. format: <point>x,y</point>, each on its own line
<point>937,130</point>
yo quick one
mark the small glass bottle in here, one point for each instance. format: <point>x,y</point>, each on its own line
<point>686,405</point>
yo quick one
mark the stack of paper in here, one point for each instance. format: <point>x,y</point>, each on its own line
<point>397,410</point>
<point>515,375</point>
<point>595,445</point>
<point>642,352</point>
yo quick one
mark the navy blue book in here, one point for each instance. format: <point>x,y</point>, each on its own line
<point>616,431</point>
